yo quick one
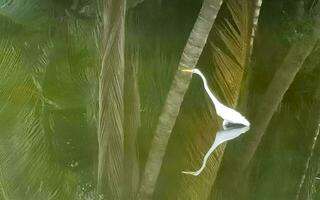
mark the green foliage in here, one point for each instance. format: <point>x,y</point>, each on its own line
<point>51,52</point>
<point>45,74</point>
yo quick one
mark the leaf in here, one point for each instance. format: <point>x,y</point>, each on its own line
<point>38,160</point>
<point>111,108</point>
<point>232,44</point>
<point>31,13</point>
<point>27,163</point>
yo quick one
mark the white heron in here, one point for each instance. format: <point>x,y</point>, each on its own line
<point>230,117</point>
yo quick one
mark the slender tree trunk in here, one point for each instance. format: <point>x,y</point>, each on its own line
<point>110,133</point>
<point>279,85</point>
<point>189,59</point>
<point>256,15</point>
<point>131,125</point>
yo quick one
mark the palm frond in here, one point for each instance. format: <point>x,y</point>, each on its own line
<point>232,44</point>
<point>111,108</point>
<point>27,162</point>
<point>38,159</point>
<point>31,13</point>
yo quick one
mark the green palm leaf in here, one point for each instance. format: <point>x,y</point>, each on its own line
<point>111,108</point>
<point>33,114</point>
<point>31,13</point>
<point>27,162</point>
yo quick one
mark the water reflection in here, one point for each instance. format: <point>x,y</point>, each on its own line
<point>229,132</point>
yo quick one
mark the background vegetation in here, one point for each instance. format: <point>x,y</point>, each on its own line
<point>93,104</point>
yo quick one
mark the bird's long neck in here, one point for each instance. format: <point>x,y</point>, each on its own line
<point>206,87</point>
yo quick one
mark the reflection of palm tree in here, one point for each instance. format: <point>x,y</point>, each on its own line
<point>221,137</point>
<point>48,67</point>
<point>45,72</point>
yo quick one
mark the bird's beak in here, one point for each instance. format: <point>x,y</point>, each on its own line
<point>187,70</point>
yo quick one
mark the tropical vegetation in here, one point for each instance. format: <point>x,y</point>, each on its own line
<point>94,105</point>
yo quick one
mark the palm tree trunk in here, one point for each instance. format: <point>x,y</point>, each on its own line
<point>131,125</point>
<point>256,15</point>
<point>110,133</point>
<point>279,85</point>
<point>189,59</point>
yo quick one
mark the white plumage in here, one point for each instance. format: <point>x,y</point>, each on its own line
<point>229,116</point>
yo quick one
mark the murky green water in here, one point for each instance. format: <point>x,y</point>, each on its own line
<point>50,60</point>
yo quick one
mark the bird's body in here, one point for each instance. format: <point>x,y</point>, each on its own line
<point>229,115</point>
<point>231,118</point>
